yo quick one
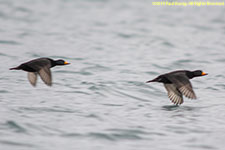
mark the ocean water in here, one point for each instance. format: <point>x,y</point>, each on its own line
<point>101,101</point>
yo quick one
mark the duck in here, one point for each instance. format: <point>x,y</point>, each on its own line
<point>40,66</point>
<point>177,84</point>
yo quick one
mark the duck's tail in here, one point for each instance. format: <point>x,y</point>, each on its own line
<point>15,68</point>
<point>153,80</point>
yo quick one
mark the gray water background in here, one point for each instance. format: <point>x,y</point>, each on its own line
<point>101,100</point>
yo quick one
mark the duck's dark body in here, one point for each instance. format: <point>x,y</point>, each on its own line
<point>25,67</point>
<point>36,64</point>
<point>164,78</point>
<point>177,84</point>
<point>40,66</point>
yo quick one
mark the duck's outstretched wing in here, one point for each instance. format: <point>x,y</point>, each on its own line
<point>174,94</point>
<point>183,84</point>
<point>45,74</point>
<point>32,77</point>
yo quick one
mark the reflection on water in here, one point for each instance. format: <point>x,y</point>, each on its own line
<point>179,108</point>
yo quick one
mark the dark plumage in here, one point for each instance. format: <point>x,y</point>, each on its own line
<point>177,84</point>
<point>40,66</point>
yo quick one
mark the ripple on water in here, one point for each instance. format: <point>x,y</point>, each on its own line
<point>16,144</point>
<point>9,42</point>
<point>181,62</point>
<point>94,116</point>
<point>129,95</point>
<point>201,146</point>
<point>117,135</point>
<point>4,91</point>
<point>167,44</point>
<point>127,35</point>
<point>48,109</point>
<point>96,68</point>
<point>15,126</point>
<point>113,135</point>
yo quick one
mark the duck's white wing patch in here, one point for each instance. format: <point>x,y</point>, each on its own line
<point>32,77</point>
<point>45,75</point>
<point>174,94</point>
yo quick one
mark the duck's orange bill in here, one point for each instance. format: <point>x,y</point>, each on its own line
<point>66,63</point>
<point>203,73</point>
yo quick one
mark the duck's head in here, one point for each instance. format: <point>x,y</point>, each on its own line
<point>198,73</point>
<point>61,62</point>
